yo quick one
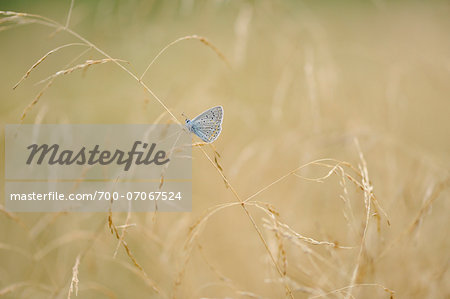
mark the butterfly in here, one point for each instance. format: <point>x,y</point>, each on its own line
<point>207,125</point>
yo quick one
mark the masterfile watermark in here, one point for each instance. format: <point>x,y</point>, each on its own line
<point>53,155</point>
<point>95,168</point>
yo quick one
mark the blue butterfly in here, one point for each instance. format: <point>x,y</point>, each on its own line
<point>207,125</point>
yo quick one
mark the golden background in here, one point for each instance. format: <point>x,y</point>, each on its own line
<point>336,132</point>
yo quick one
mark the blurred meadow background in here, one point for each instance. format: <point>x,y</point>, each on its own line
<point>336,136</point>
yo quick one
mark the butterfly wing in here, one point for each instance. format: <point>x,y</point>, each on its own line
<point>208,124</point>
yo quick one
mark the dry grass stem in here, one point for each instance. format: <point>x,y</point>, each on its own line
<point>367,199</point>
<point>202,39</point>
<point>74,282</point>
<point>82,66</point>
<point>43,58</point>
<point>115,232</point>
